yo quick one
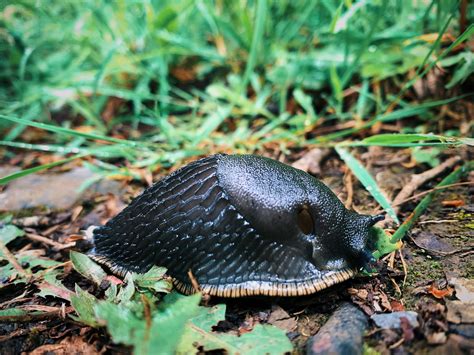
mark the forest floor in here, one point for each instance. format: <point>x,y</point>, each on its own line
<point>432,274</point>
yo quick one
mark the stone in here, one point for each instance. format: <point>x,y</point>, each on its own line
<point>343,333</point>
<point>57,191</point>
<point>392,320</point>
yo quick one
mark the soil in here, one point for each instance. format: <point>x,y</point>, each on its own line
<point>439,249</point>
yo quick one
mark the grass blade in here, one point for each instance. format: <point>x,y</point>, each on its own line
<point>71,132</point>
<point>257,40</point>
<point>367,180</point>
<point>6,179</point>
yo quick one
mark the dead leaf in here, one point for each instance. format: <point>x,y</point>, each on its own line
<point>453,203</point>
<point>407,329</point>
<point>68,346</point>
<point>440,293</point>
<point>281,319</point>
<point>310,162</point>
<point>460,312</point>
<point>397,306</point>
<point>436,338</point>
<point>464,289</point>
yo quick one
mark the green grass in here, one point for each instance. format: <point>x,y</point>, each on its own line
<point>147,84</point>
<point>254,72</point>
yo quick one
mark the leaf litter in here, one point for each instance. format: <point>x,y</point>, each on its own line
<point>99,300</point>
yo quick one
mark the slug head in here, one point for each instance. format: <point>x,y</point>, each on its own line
<point>340,238</point>
<point>295,209</point>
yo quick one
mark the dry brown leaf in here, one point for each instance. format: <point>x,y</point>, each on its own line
<point>68,346</point>
<point>453,203</point>
<point>440,293</point>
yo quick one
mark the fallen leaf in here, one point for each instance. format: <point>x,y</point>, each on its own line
<point>453,203</point>
<point>436,338</point>
<point>311,161</point>
<point>440,294</point>
<point>397,306</point>
<point>460,312</point>
<point>407,329</point>
<point>464,289</point>
<point>281,319</point>
<point>67,346</point>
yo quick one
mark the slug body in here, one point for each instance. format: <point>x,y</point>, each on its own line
<point>243,225</point>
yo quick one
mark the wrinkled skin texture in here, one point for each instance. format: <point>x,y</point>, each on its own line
<point>239,222</point>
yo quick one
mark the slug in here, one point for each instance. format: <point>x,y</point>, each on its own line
<point>242,225</point>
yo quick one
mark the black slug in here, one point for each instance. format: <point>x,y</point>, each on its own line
<point>243,225</point>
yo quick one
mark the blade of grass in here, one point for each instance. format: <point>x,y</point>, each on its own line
<point>426,201</point>
<point>409,140</point>
<point>6,179</point>
<point>257,42</point>
<point>71,132</point>
<point>463,37</point>
<point>106,151</point>
<point>367,180</point>
<point>405,112</point>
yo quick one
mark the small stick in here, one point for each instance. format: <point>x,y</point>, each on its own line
<point>414,197</point>
<point>419,179</point>
<point>423,205</point>
<point>44,240</point>
<point>405,267</point>
<point>349,188</point>
<point>194,281</point>
<point>32,317</point>
<point>12,260</point>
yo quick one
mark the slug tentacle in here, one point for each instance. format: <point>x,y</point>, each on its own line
<point>243,225</point>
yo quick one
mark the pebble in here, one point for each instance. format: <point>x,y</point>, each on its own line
<point>392,320</point>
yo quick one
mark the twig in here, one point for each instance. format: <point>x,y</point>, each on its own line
<point>396,344</point>
<point>414,197</point>
<point>44,240</point>
<point>34,317</point>
<point>419,179</point>
<point>349,188</point>
<point>439,221</point>
<point>21,332</point>
<point>404,265</point>
<point>194,282</point>
<point>12,260</point>
<point>424,203</point>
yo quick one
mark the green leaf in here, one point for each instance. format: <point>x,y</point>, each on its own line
<point>16,312</point>
<point>153,280</point>
<point>71,132</point>
<point>9,233</point>
<point>33,262</point>
<point>426,155</point>
<point>383,244</point>
<point>126,292</point>
<point>394,138</point>
<point>198,331</point>
<point>407,140</point>
<point>263,339</point>
<point>6,179</point>
<point>160,336</point>
<point>51,286</point>
<point>87,268</point>
<point>367,180</point>
<point>83,303</point>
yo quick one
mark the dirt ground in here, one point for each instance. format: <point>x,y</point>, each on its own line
<point>425,276</point>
